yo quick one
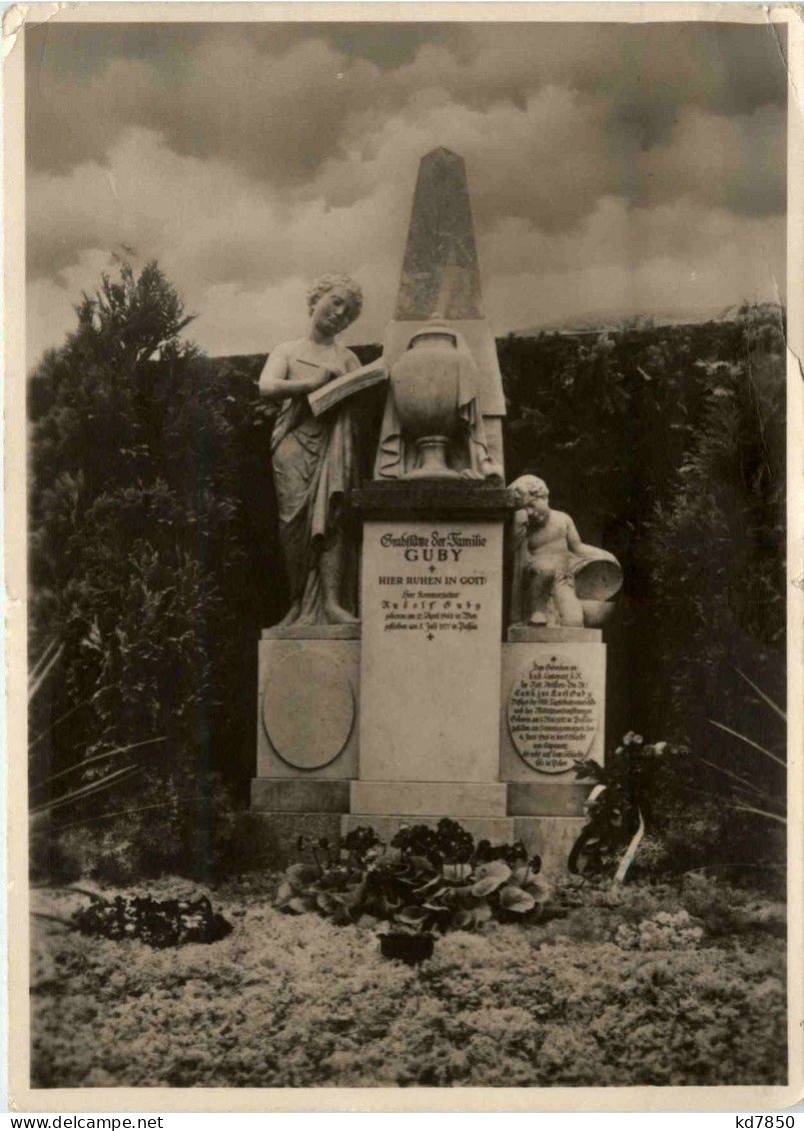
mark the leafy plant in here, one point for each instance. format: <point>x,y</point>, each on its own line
<point>432,880</point>
<point>138,553</point>
<point>760,791</point>
<point>715,544</point>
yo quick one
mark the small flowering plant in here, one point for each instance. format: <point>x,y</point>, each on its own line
<point>617,806</point>
<point>430,880</point>
<point>159,923</point>
<point>663,931</point>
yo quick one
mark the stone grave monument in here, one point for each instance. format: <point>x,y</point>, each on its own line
<point>415,702</point>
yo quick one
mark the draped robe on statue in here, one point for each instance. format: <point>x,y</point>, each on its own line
<point>315,463</point>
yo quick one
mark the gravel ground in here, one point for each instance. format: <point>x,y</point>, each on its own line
<point>612,995</point>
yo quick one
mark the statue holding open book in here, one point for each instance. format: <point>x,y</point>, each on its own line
<point>315,457</point>
<point>432,429</point>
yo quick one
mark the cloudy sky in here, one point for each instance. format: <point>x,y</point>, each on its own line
<point>611,167</point>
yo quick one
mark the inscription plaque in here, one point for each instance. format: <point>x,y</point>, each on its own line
<point>552,714</point>
<point>443,596</point>
<point>430,651</point>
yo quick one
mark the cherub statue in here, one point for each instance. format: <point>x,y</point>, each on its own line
<point>315,458</point>
<point>549,560</point>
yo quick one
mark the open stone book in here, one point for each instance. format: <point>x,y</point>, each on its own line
<point>335,391</point>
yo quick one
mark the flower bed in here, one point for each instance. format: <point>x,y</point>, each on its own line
<point>625,991</point>
<point>432,880</point>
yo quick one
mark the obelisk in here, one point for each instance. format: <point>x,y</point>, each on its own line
<point>431,565</point>
<point>441,278</point>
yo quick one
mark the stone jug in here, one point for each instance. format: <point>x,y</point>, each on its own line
<point>597,580</point>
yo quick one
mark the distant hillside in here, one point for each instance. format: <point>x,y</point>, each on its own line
<point>580,325</point>
<point>251,363</point>
<point>599,322</point>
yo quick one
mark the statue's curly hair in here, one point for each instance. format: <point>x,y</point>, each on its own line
<point>337,279</point>
<point>527,484</point>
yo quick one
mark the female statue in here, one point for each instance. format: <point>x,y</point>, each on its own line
<point>315,459</point>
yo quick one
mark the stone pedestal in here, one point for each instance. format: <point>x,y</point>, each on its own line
<point>431,610</point>
<point>553,704</point>
<point>309,703</point>
<point>552,713</point>
<point>423,711</point>
<point>307,731</point>
<point>430,714</point>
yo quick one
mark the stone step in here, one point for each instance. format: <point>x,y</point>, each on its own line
<point>548,799</point>
<point>498,830</point>
<point>299,795</point>
<point>520,799</point>
<point>545,634</point>
<point>430,798</point>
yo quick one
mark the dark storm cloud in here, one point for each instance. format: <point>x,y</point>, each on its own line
<point>387,48</point>
<point>274,113</point>
<point>279,100</point>
<point>247,157</point>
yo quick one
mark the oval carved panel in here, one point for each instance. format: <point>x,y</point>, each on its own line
<point>308,709</point>
<point>553,714</point>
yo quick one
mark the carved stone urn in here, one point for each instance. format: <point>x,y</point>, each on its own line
<point>428,385</point>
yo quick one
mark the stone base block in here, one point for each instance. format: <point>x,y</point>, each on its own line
<point>544,634</point>
<point>276,836</point>
<point>297,795</point>
<point>449,499</point>
<point>551,838</point>
<point>498,830</point>
<point>313,632</point>
<point>547,799</point>
<point>436,799</point>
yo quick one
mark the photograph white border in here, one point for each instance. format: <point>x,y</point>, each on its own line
<point>22,1096</point>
